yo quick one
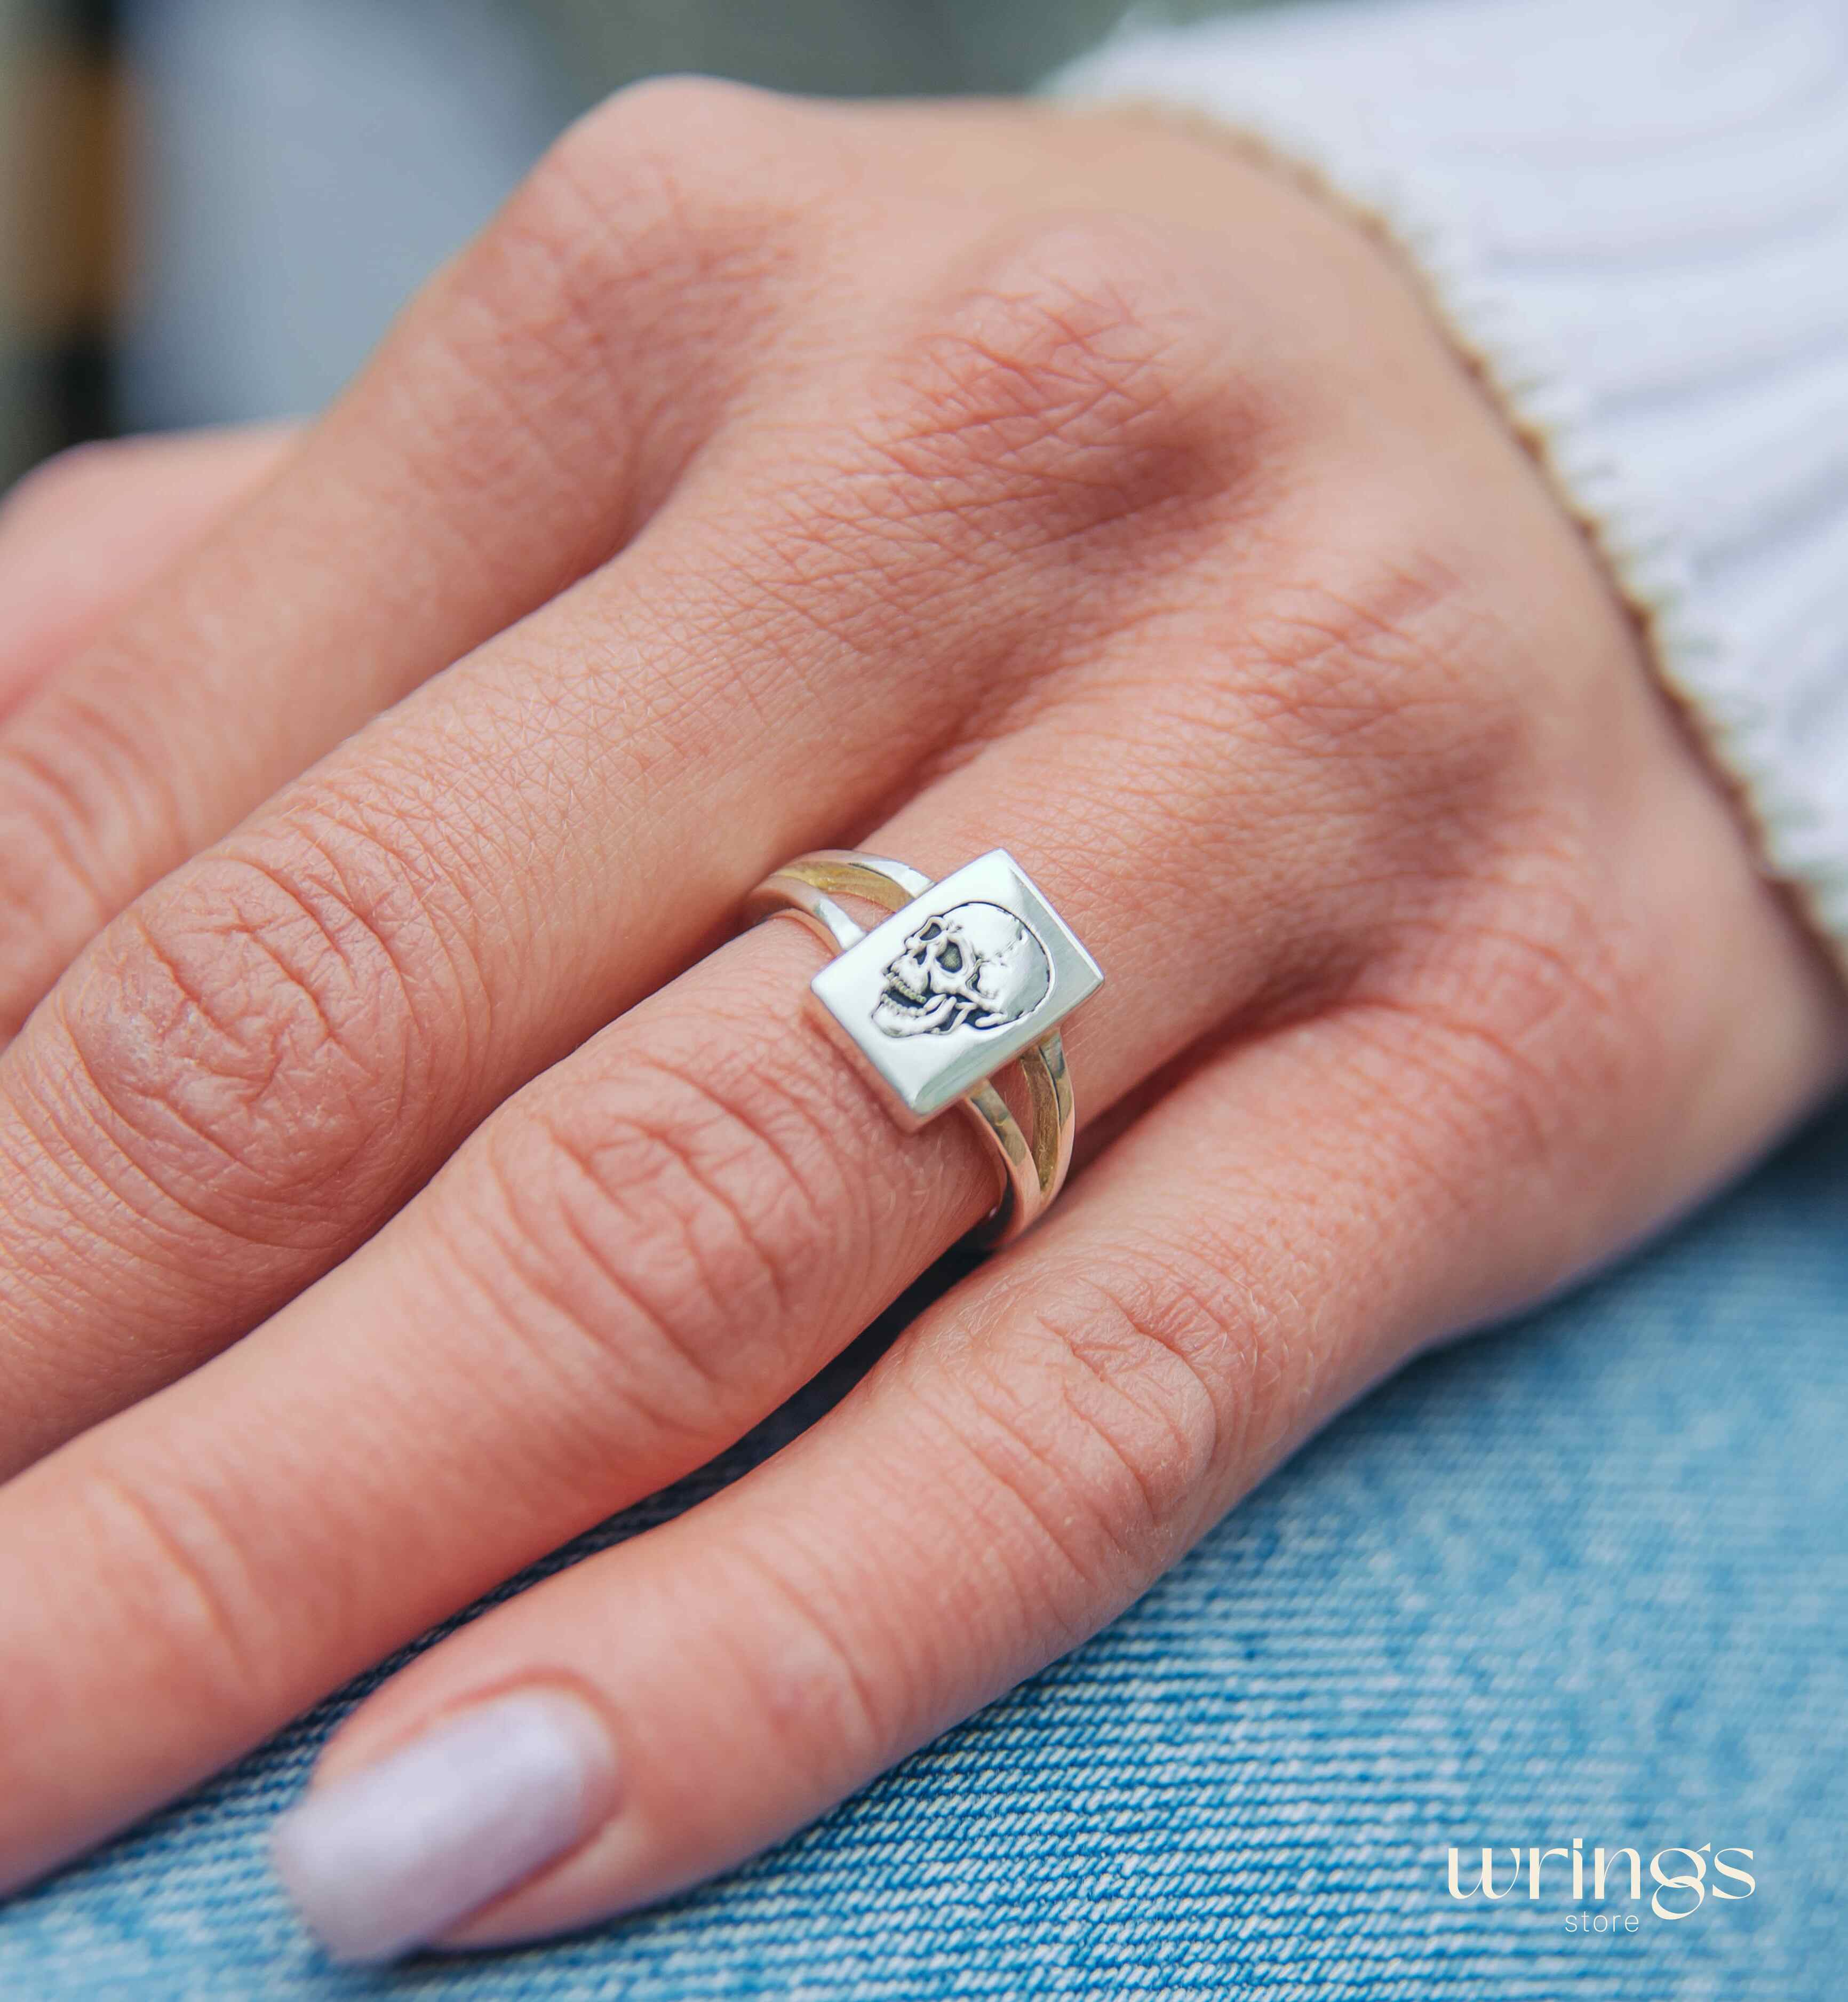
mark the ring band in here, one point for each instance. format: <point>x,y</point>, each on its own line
<point>965,977</point>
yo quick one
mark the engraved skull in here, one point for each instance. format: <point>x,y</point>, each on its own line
<point>975,967</point>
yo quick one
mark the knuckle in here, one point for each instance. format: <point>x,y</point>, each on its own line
<point>1071,367</point>
<point>662,1221</point>
<point>48,881</point>
<point>709,130</point>
<point>78,791</point>
<point>660,193</point>
<point>61,488</point>
<point>1115,1409</point>
<point>818,1697</point>
<point>252,1037</point>
<point>1378,656</point>
<point>1370,689</point>
<point>1533,1021</point>
<point>174,1564</point>
<point>615,304</point>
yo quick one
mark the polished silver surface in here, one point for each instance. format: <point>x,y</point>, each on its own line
<point>965,978</point>
<point>969,974</point>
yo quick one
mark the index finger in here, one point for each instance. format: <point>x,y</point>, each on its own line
<point>82,535</point>
<point>527,415</point>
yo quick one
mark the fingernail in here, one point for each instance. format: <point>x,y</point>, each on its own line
<point>393,1855</point>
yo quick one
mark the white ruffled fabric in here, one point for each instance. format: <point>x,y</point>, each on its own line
<point>1635,214</point>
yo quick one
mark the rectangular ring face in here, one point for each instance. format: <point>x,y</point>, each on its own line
<point>946,991</point>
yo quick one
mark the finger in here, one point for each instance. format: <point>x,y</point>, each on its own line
<point>262,1058</point>
<point>83,534</point>
<point>1036,1450</point>
<point>1039,1446</point>
<point>630,1264</point>
<point>534,404</point>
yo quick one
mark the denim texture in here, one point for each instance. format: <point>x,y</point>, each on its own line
<point>1585,1575</point>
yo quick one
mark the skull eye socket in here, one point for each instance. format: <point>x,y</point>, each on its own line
<point>930,932</point>
<point>950,958</point>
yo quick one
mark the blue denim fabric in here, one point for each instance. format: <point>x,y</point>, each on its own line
<point>1584,1576</point>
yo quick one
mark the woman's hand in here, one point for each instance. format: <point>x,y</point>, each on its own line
<point>777,476</point>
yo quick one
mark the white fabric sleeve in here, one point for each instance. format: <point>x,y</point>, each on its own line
<point>1634,213</point>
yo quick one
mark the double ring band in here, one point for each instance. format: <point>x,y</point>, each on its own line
<point>966,976</point>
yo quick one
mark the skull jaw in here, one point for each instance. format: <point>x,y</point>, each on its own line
<point>898,1015</point>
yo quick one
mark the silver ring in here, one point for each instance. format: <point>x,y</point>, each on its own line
<point>965,977</point>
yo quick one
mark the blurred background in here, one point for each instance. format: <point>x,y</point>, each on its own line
<point>209,209</point>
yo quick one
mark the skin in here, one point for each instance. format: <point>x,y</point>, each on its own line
<point>400,1171</point>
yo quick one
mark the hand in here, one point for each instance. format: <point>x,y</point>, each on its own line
<point>774,477</point>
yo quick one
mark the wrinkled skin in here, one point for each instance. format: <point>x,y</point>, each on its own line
<point>398,1173</point>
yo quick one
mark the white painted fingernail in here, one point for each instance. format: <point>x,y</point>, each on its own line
<point>392,1856</point>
